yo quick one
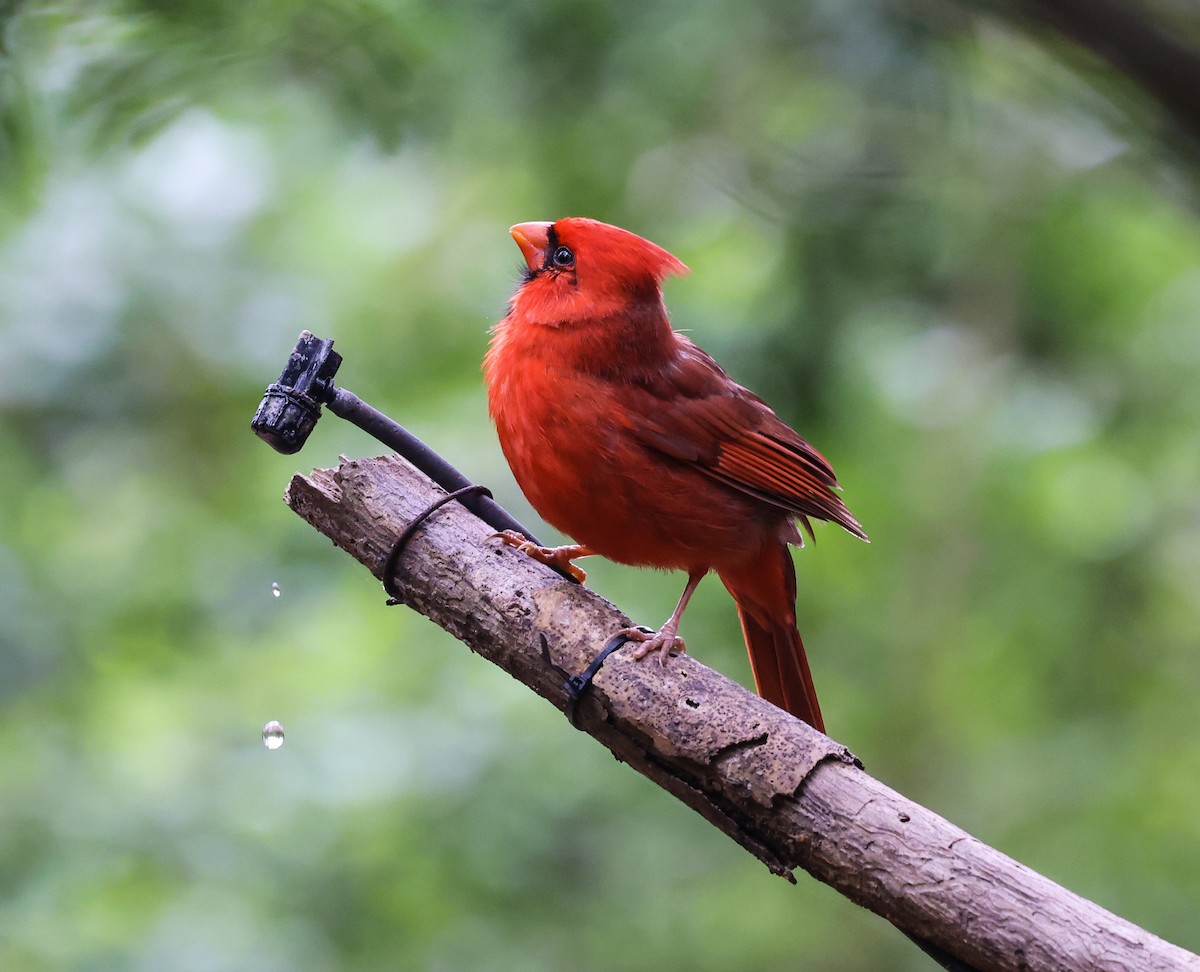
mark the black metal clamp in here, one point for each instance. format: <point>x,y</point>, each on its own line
<point>291,407</point>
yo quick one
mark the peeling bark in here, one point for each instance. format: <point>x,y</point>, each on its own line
<point>786,793</point>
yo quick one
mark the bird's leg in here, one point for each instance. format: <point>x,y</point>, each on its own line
<point>666,637</point>
<point>557,557</point>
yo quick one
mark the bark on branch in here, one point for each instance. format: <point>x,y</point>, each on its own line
<point>788,794</point>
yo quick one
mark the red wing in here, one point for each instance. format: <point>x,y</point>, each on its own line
<point>701,416</point>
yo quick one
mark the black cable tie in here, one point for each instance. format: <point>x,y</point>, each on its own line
<point>577,685</point>
<point>389,567</point>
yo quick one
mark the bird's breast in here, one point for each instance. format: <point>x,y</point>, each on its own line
<point>570,442</point>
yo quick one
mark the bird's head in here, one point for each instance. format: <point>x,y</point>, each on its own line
<point>578,268</point>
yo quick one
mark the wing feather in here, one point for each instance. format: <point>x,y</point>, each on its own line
<point>696,414</point>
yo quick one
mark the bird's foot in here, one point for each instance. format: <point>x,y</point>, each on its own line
<point>557,557</point>
<point>664,641</point>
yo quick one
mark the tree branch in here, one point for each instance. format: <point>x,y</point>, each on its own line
<point>788,794</point>
<point>1132,41</point>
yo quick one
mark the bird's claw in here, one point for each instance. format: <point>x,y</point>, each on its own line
<point>664,641</point>
<point>557,557</point>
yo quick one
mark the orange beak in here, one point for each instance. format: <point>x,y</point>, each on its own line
<point>534,240</point>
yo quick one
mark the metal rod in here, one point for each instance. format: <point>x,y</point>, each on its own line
<point>347,405</point>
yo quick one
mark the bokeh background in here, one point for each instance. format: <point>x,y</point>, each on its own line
<point>959,254</point>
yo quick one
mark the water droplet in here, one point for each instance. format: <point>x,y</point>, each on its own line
<point>275,588</point>
<point>272,735</point>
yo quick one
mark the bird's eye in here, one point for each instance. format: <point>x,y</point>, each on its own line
<point>563,257</point>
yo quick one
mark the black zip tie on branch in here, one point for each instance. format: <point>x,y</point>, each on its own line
<point>389,568</point>
<point>577,685</point>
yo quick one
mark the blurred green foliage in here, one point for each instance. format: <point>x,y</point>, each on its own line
<point>963,270</point>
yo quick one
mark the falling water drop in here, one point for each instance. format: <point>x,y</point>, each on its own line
<point>272,735</point>
<point>275,588</point>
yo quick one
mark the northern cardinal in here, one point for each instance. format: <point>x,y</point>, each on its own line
<point>631,440</point>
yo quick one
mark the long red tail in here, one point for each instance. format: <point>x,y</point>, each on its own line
<point>765,593</point>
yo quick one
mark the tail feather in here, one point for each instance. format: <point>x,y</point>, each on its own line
<point>780,666</point>
<point>766,601</point>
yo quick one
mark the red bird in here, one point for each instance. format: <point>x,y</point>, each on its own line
<point>631,440</point>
